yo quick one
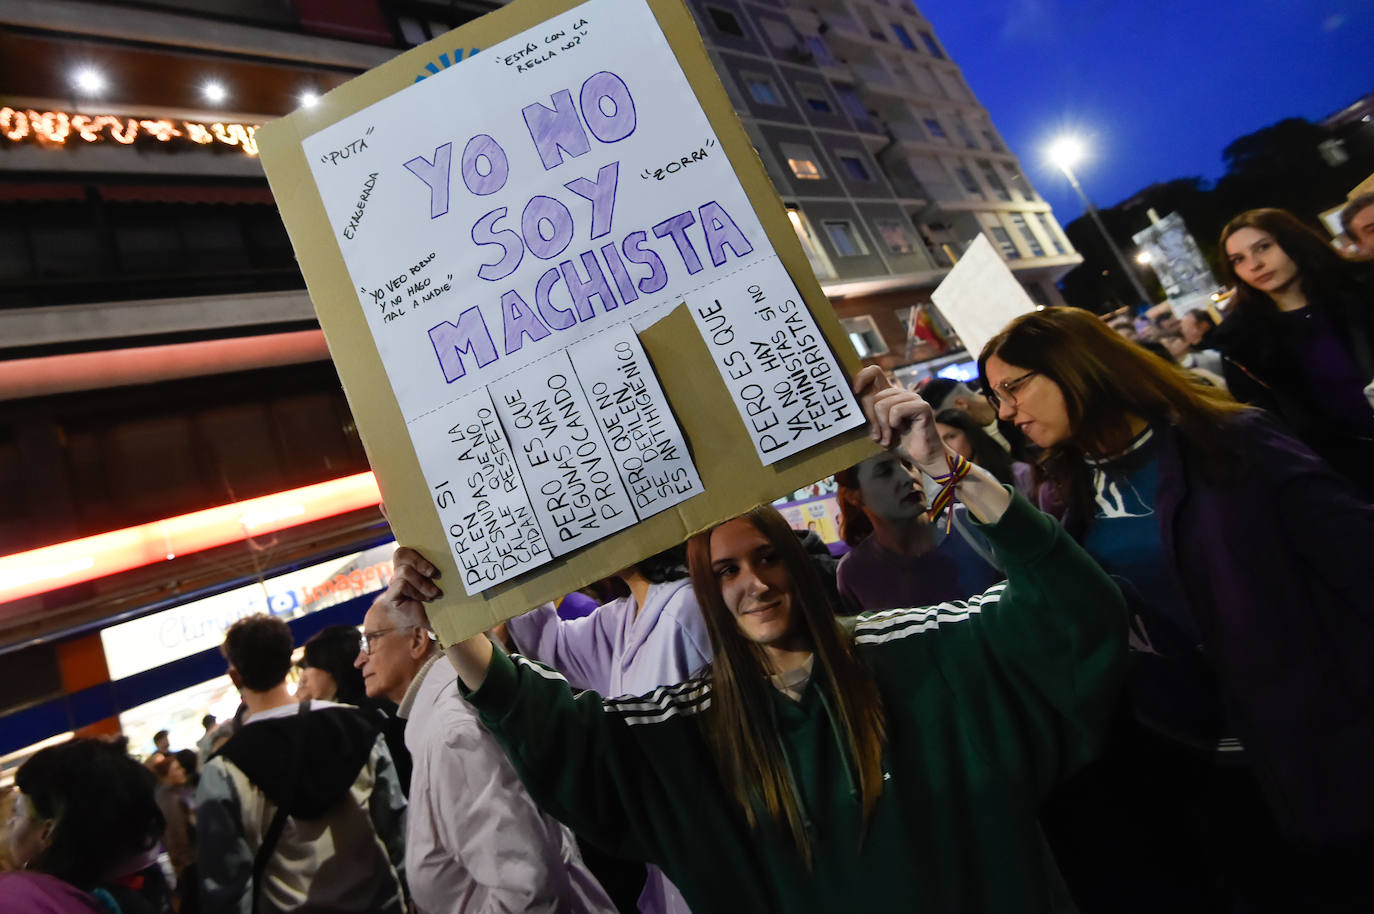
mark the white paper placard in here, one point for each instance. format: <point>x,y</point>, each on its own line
<point>784,379</point>
<point>518,202</point>
<point>490,524</point>
<point>980,295</point>
<point>633,415</point>
<point>559,189</point>
<point>562,457</point>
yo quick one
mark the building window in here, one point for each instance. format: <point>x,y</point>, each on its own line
<point>903,37</point>
<point>850,101</point>
<point>994,180</point>
<point>1022,186</point>
<point>854,167</point>
<point>968,182</point>
<point>993,143</point>
<point>931,46</point>
<point>725,21</point>
<point>843,238</point>
<point>780,34</point>
<point>894,236</point>
<point>1050,233</point>
<point>1027,235</point>
<point>820,51</point>
<point>803,161</point>
<point>935,130</point>
<point>762,90</point>
<point>1038,295</point>
<point>877,34</point>
<point>820,264</point>
<point>863,334</point>
<point>815,98</point>
<point>1003,239</point>
<point>965,133</point>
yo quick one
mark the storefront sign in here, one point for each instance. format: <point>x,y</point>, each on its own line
<point>56,128</point>
<point>141,644</point>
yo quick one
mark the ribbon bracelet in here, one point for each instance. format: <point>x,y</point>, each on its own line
<point>958,469</point>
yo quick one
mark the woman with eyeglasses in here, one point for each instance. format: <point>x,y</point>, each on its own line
<point>328,674</point>
<point>1245,560</point>
<point>894,766</point>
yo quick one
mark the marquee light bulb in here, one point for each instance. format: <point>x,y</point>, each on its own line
<point>214,92</point>
<point>309,98</point>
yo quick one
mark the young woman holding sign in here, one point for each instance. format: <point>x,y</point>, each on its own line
<point>896,766</point>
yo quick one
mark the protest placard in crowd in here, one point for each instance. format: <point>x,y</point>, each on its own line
<point>567,308</point>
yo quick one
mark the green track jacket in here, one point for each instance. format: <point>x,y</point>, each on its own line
<point>989,703</point>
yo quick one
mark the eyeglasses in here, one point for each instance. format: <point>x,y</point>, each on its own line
<point>368,641</point>
<point>1007,389</point>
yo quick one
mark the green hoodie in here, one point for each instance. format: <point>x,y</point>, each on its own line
<point>989,703</point>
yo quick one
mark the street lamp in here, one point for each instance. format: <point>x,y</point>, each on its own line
<point>1066,152</point>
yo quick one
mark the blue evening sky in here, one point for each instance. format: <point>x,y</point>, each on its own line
<point>1158,88</point>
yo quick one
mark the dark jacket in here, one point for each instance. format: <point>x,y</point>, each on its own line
<point>988,704</point>
<point>1260,372</point>
<point>343,845</point>
<point>1276,563</point>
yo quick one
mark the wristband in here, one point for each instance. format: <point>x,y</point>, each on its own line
<point>958,469</point>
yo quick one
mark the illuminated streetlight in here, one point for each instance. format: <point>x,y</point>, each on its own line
<point>88,80</point>
<point>214,92</point>
<point>1065,153</point>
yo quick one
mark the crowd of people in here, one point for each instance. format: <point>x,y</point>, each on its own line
<point>1102,642</point>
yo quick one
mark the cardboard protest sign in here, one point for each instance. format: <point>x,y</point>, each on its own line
<point>980,295</point>
<point>570,315</point>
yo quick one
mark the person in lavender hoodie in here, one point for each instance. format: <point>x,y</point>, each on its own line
<point>654,637</point>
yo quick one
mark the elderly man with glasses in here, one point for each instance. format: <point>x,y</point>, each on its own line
<point>475,841</point>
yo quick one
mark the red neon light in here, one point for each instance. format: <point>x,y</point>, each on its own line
<point>24,574</point>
